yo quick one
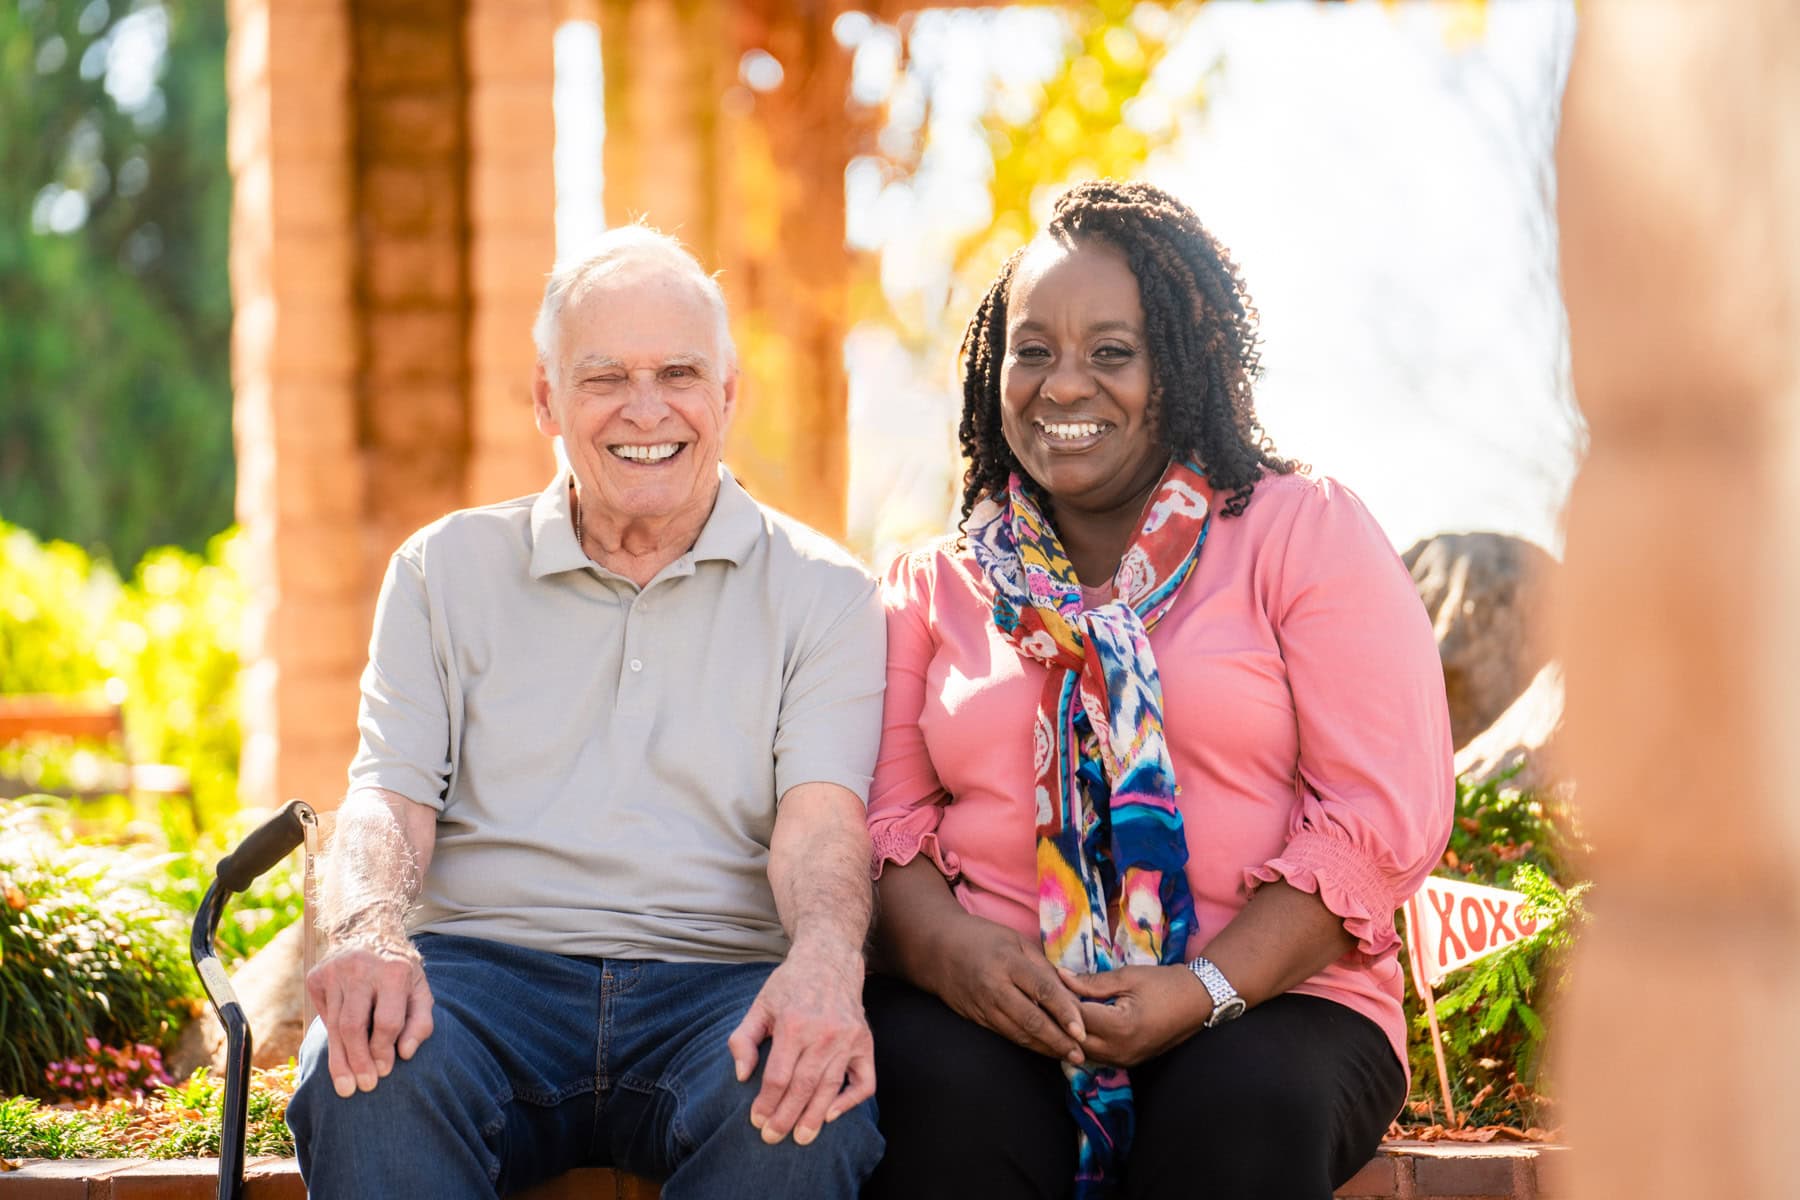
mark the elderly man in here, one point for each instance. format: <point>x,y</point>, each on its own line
<point>599,888</point>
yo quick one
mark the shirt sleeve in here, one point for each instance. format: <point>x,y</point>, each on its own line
<point>1376,787</point>
<point>830,716</point>
<point>404,715</point>
<point>907,800</point>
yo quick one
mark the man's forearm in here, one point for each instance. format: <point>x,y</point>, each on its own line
<point>819,869</point>
<point>376,869</point>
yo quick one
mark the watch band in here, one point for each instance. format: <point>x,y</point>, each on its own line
<point>1227,1004</point>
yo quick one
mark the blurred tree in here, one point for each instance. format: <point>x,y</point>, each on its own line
<point>115,400</point>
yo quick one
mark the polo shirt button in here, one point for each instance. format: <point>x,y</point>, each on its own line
<point>637,664</point>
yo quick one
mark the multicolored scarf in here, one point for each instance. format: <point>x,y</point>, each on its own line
<point>1110,839</point>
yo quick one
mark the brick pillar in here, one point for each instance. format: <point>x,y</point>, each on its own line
<point>754,184</point>
<point>410,85</point>
<point>385,271</point>
<point>294,363</point>
<point>512,237</point>
<point>1679,180</point>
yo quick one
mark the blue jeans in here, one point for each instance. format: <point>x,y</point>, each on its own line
<point>539,1063</point>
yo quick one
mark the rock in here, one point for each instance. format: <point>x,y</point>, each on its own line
<point>1485,593</point>
<point>271,987</point>
<point>1526,732</point>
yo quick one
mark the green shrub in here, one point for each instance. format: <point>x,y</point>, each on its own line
<point>29,1130</point>
<point>165,645</point>
<point>174,1121</point>
<point>185,1120</point>
<point>86,949</point>
<point>1490,1012</point>
<point>253,918</point>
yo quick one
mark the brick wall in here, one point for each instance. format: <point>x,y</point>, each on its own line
<point>294,367</point>
<point>512,198</point>
<point>392,221</point>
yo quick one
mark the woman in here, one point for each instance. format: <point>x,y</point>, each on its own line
<point>1165,746</point>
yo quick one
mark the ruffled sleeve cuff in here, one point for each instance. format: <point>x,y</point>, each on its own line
<point>901,841</point>
<point>1345,878</point>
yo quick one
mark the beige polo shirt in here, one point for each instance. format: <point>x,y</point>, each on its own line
<point>607,761</point>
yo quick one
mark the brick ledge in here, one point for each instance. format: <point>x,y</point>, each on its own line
<point>1402,1171</point>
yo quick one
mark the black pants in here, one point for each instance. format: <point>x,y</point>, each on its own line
<point>1285,1103</point>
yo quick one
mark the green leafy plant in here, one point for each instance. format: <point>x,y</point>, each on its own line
<point>253,918</point>
<point>1491,1012</point>
<point>172,1121</point>
<point>30,1130</point>
<point>184,1120</point>
<point>86,949</point>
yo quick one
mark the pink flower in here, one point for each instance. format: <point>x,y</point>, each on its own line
<point>93,1045</point>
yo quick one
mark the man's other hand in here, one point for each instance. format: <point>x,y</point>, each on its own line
<point>822,1058</point>
<point>375,1002</point>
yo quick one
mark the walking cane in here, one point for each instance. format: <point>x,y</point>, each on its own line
<point>267,845</point>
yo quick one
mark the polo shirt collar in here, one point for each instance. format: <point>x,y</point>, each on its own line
<point>731,532</point>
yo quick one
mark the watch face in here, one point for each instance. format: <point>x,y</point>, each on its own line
<point>1231,1010</point>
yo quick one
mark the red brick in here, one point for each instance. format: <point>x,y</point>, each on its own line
<point>414,345</point>
<point>311,195</point>
<point>500,347</point>
<point>513,118</point>
<point>503,197</point>
<point>512,263</point>
<point>412,489</point>
<point>308,340</point>
<point>419,198</point>
<point>396,55</point>
<point>273,1179</point>
<point>1376,1181</point>
<point>500,410</point>
<point>414,270</point>
<point>58,1179</point>
<point>309,43</point>
<point>175,1179</point>
<point>318,487</point>
<point>514,41</point>
<point>303,413</point>
<point>417,419</point>
<point>1450,1169</point>
<point>412,126</point>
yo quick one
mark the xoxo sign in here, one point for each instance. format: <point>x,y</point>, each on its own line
<point>1451,924</point>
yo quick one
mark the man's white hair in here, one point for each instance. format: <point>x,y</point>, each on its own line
<point>617,247</point>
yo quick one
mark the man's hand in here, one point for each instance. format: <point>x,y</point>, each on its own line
<point>997,978</point>
<point>1151,1010</point>
<point>375,1002</point>
<point>822,1058</point>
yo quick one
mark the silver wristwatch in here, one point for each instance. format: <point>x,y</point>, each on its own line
<point>1227,1004</point>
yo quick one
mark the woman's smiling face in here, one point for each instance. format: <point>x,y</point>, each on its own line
<point>1076,384</point>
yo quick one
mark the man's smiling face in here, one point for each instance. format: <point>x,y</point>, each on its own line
<point>641,392</point>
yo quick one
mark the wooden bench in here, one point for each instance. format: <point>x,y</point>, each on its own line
<point>1402,1171</point>
<point>28,716</point>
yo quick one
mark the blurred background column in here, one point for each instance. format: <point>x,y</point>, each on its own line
<point>393,223</point>
<point>727,124</point>
<point>295,363</point>
<point>512,235</point>
<point>1680,184</point>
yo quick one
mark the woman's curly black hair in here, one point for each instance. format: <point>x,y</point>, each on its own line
<point>1202,335</point>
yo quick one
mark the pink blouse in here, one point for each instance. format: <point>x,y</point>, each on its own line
<point>1303,705</point>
